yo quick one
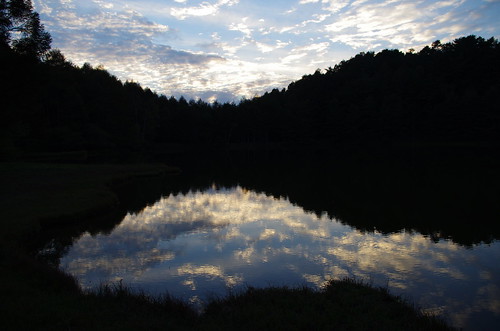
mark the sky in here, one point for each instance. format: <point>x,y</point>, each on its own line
<point>227,50</point>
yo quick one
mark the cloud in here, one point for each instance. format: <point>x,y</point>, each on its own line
<point>123,42</point>
<point>169,56</point>
<point>317,18</point>
<point>335,5</point>
<point>329,5</point>
<point>112,34</point>
<point>241,27</point>
<point>394,23</point>
<point>204,9</point>
<point>232,49</point>
<point>318,47</point>
<point>127,44</point>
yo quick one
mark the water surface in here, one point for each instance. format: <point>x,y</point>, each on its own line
<point>426,226</point>
<point>201,244</point>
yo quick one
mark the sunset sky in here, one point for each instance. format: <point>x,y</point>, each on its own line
<point>229,49</point>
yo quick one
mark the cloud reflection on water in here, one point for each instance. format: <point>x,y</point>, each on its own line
<point>204,242</point>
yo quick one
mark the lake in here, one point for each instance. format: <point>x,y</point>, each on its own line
<point>423,225</point>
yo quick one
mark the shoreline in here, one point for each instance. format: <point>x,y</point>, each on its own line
<point>40,296</point>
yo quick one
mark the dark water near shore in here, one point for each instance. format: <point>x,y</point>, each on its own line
<point>424,224</point>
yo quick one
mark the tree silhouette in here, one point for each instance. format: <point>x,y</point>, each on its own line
<point>21,29</point>
<point>444,94</point>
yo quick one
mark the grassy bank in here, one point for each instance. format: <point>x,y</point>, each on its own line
<point>36,195</point>
<point>33,194</point>
<point>36,296</point>
<point>346,304</point>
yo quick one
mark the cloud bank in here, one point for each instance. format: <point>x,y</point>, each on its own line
<point>228,49</point>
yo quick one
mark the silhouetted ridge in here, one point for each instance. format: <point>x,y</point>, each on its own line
<point>444,94</point>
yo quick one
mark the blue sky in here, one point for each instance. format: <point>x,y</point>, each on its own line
<point>229,49</point>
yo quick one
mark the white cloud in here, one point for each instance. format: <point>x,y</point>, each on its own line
<point>176,47</point>
<point>241,27</point>
<point>204,9</point>
<point>335,5</point>
<point>393,23</point>
<point>320,47</point>
<point>265,48</point>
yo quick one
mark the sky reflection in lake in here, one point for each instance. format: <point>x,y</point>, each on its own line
<point>200,244</point>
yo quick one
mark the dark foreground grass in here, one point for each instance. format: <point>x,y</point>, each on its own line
<point>341,305</point>
<point>36,296</point>
<point>33,295</point>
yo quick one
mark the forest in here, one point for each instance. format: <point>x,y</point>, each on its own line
<point>446,93</point>
<point>121,134</point>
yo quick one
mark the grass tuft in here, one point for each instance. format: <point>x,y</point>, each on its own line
<point>347,304</point>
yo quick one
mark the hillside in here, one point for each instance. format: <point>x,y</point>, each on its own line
<point>443,94</point>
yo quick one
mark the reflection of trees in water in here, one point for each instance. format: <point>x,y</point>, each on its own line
<point>444,196</point>
<point>53,242</point>
<point>134,195</point>
<point>454,196</point>
<point>205,239</point>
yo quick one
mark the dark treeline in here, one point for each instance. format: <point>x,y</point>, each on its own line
<point>445,93</point>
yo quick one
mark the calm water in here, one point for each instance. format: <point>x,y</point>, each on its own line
<point>200,240</point>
